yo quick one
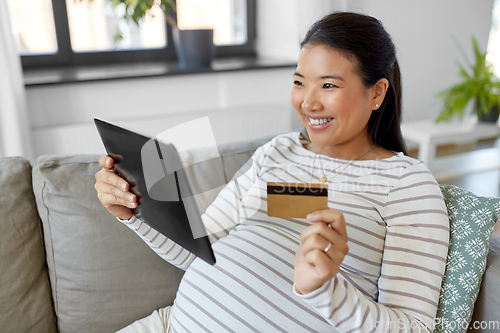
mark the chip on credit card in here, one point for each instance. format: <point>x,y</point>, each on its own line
<point>295,200</point>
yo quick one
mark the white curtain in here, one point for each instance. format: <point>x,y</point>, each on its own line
<point>15,133</point>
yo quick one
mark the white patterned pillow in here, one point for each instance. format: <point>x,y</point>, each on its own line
<point>472,219</point>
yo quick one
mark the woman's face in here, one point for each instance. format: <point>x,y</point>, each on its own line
<point>331,99</point>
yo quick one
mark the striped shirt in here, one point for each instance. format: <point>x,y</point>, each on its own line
<point>389,281</point>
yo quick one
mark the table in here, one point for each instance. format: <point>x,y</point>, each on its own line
<point>428,135</point>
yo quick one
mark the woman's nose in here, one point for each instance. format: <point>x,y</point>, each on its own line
<point>312,101</point>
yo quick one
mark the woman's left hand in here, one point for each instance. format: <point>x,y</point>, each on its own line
<point>313,265</point>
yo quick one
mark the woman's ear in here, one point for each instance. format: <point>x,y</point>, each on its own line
<point>379,90</point>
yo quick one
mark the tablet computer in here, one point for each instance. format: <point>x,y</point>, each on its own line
<point>157,177</point>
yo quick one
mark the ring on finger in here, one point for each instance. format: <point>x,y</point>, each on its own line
<point>328,247</point>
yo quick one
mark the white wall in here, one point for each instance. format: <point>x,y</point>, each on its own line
<point>240,105</point>
<point>422,31</point>
<point>281,24</point>
<point>245,105</point>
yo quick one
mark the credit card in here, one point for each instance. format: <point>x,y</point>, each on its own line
<point>295,200</point>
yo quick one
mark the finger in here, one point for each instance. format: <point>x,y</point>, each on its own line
<point>338,250</point>
<point>318,229</point>
<point>106,162</point>
<point>109,200</point>
<point>319,242</point>
<point>322,262</point>
<point>113,179</point>
<point>127,196</point>
<point>314,242</point>
<point>333,217</point>
<point>337,257</point>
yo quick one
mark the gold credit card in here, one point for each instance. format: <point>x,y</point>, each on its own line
<point>295,200</point>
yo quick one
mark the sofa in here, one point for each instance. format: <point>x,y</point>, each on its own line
<point>67,265</point>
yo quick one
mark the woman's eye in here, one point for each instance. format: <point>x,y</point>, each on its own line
<point>297,83</point>
<point>329,85</point>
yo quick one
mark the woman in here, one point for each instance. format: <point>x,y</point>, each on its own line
<point>307,275</point>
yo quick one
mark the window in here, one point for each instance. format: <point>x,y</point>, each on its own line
<point>74,32</point>
<point>226,17</point>
<point>33,27</point>
<point>493,53</point>
<point>93,26</point>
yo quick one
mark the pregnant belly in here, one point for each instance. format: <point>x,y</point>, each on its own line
<point>249,289</point>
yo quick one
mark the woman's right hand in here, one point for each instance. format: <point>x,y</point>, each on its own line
<point>113,191</point>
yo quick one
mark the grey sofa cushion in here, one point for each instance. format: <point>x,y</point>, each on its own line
<point>103,276</point>
<point>486,310</point>
<point>25,299</point>
<point>203,177</point>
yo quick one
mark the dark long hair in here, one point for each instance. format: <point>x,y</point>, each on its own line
<point>364,40</point>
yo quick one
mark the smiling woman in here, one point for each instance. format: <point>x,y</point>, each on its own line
<point>335,108</point>
<point>348,77</point>
<point>372,261</point>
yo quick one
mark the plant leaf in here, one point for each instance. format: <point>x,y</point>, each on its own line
<point>482,86</point>
<point>118,37</point>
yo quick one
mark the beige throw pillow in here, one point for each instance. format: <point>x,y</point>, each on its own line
<point>25,299</point>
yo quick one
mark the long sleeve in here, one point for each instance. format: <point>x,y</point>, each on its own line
<point>226,211</point>
<point>413,262</point>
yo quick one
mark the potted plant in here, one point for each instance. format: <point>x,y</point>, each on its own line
<point>482,86</point>
<point>194,47</point>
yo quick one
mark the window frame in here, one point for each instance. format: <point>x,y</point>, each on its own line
<point>66,57</point>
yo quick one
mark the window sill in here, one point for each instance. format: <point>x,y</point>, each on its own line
<point>64,75</point>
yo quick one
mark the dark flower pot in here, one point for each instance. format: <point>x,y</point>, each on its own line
<point>491,117</point>
<point>194,48</point>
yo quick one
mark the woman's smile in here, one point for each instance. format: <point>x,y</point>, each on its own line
<point>332,101</point>
<point>319,123</point>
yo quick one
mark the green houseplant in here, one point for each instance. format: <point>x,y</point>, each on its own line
<point>135,10</point>
<point>194,47</point>
<point>482,86</point>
